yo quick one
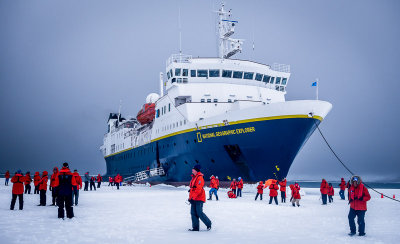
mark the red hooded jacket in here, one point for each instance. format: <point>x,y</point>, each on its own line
<point>331,191</point>
<point>260,188</point>
<point>196,185</point>
<point>359,197</point>
<point>28,179</point>
<point>295,192</point>
<point>233,185</point>
<point>273,189</point>
<point>36,178</point>
<point>7,175</point>
<point>213,183</point>
<point>342,185</point>
<point>240,184</point>
<point>18,186</point>
<point>99,178</point>
<point>324,187</point>
<point>54,178</point>
<point>43,181</point>
<point>78,180</point>
<point>283,185</point>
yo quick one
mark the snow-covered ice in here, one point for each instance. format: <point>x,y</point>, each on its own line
<point>160,214</point>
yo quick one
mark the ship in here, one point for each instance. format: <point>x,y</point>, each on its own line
<point>228,115</point>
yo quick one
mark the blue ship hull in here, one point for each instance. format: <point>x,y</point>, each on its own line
<point>255,150</point>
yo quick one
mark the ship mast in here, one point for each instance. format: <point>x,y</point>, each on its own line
<point>227,47</point>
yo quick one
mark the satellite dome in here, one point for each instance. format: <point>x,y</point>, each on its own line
<point>152,98</point>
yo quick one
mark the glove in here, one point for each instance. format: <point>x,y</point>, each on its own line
<point>361,198</point>
<point>50,188</point>
<point>189,190</point>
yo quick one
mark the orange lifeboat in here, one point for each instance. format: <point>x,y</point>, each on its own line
<point>147,113</point>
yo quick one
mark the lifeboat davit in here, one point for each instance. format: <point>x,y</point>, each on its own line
<point>147,113</point>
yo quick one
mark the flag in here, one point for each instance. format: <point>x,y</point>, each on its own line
<point>314,83</point>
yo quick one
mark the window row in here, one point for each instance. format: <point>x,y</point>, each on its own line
<point>225,74</point>
<point>163,110</point>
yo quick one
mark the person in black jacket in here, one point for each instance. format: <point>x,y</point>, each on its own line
<point>92,183</point>
<point>65,183</point>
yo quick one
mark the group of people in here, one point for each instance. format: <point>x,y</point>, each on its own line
<point>327,192</point>
<point>274,186</point>
<point>116,180</point>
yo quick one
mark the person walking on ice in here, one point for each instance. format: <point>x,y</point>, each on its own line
<point>260,190</point>
<point>17,190</point>
<point>214,188</point>
<point>358,197</point>
<point>295,196</point>
<point>197,197</point>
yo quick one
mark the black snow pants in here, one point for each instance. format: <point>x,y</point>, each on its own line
<point>65,201</point>
<point>14,199</point>
<point>42,197</point>
<point>196,211</point>
<point>275,199</point>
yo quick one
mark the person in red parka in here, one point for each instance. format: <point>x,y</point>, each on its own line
<point>43,188</point>
<point>36,180</point>
<point>28,181</point>
<point>331,192</point>
<point>214,188</point>
<point>342,186</point>
<point>260,190</point>
<point>18,190</point>
<point>110,181</point>
<point>273,192</point>
<point>7,176</point>
<point>282,185</point>
<point>324,191</point>
<point>197,197</point>
<point>53,186</point>
<point>239,187</point>
<point>75,189</point>
<point>358,198</point>
<point>99,180</point>
<point>233,186</point>
<point>217,180</point>
<point>295,196</point>
<point>118,180</point>
<point>66,182</point>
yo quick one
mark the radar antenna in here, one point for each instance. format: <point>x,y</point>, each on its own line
<point>226,27</point>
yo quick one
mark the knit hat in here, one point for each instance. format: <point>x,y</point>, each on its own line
<point>19,171</point>
<point>197,167</point>
<point>65,165</point>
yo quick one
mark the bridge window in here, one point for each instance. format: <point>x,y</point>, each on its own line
<point>266,78</point>
<point>227,73</point>
<point>193,73</point>
<point>214,72</point>
<point>202,100</point>
<point>185,72</point>
<point>238,74</point>
<point>229,100</point>
<point>169,76</point>
<point>173,80</point>
<point>277,88</point>
<point>169,107</point>
<point>209,100</point>
<point>185,80</point>
<point>158,113</point>
<point>284,81</point>
<point>278,80</point>
<point>248,75</point>
<point>202,73</point>
<point>259,76</point>
<point>177,72</point>
<point>272,80</point>
<point>179,80</point>
<point>215,100</point>
<point>172,74</point>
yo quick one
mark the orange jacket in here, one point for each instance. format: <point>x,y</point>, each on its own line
<point>28,179</point>
<point>342,185</point>
<point>213,182</point>
<point>273,189</point>
<point>78,179</point>
<point>196,185</point>
<point>36,178</point>
<point>233,185</point>
<point>324,187</point>
<point>118,178</point>
<point>18,186</point>
<point>7,175</point>
<point>54,178</point>
<point>283,185</point>
<point>110,179</point>
<point>43,181</point>
<point>99,178</point>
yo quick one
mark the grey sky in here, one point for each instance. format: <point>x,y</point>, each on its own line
<point>64,65</point>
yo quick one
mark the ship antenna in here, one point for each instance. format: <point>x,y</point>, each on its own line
<point>180,31</point>
<point>119,110</point>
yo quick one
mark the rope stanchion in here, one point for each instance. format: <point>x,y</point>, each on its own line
<point>337,157</point>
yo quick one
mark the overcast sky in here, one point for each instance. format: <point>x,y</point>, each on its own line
<point>64,65</point>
